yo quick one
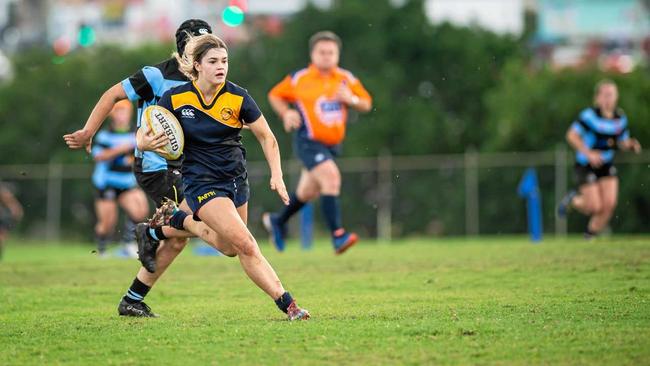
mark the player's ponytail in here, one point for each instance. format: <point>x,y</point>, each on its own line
<point>195,49</point>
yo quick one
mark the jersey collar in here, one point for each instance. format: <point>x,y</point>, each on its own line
<point>210,104</point>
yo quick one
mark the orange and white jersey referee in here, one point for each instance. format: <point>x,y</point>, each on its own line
<point>314,103</point>
<point>322,99</point>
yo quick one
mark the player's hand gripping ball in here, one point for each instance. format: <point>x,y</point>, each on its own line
<point>159,119</point>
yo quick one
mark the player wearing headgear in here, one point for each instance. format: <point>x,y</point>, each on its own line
<point>114,181</point>
<point>595,136</point>
<point>314,102</point>
<point>160,179</point>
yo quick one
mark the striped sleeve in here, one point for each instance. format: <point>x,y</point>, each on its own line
<point>145,84</point>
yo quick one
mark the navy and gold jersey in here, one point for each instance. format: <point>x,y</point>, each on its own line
<point>600,133</point>
<point>213,149</point>
<point>146,87</point>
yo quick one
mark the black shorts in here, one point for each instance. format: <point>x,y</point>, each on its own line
<point>312,153</point>
<point>161,185</point>
<point>199,193</point>
<point>109,193</point>
<point>586,174</point>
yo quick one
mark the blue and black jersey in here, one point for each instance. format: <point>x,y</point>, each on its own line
<point>600,133</point>
<point>213,149</point>
<point>146,87</point>
<point>116,173</point>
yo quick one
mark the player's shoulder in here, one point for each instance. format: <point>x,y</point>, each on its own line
<point>298,74</point>
<point>168,69</point>
<point>588,113</point>
<point>178,89</point>
<point>233,88</point>
<point>347,74</point>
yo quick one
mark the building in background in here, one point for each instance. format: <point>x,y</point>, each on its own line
<point>613,34</point>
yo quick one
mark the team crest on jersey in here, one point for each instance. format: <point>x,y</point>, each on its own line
<point>226,113</point>
<point>187,113</point>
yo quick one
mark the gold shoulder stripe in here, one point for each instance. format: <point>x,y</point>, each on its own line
<point>225,110</point>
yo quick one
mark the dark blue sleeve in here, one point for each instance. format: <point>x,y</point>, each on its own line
<point>166,101</point>
<point>249,112</point>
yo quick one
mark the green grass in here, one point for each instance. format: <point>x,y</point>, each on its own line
<point>488,301</point>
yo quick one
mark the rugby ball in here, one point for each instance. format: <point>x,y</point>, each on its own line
<point>159,119</point>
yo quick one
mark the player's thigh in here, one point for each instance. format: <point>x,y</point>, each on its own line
<point>134,202</point>
<point>308,187</point>
<point>221,215</point>
<point>608,187</point>
<point>243,212</point>
<point>326,173</point>
<point>590,192</point>
<point>106,211</point>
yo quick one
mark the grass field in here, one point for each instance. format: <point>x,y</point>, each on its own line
<point>488,301</point>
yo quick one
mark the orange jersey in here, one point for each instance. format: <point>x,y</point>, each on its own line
<point>314,95</point>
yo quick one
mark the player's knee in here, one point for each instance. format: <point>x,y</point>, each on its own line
<point>595,207</point>
<point>331,184</point>
<point>229,252</point>
<point>608,207</point>
<point>245,245</point>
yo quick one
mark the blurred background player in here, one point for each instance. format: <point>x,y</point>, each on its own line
<point>595,136</point>
<point>114,180</point>
<point>313,102</point>
<point>11,211</point>
<point>160,179</point>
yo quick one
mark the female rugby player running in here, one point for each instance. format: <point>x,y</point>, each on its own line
<point>595,136</point>
<point>212,112</point>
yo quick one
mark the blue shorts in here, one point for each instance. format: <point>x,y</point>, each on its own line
<point>198,193</point>
<point>312,153</point>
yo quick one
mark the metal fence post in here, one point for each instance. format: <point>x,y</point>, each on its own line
<point>53,214</point>
<point>471,193</point>
<point>560,187</point>
<point>384,199</point>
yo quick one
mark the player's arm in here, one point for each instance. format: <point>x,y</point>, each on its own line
<point>260,128</point>
<point>280,98</point>
<point>8,199</point>
<point>574,139</point>
<point>82,138</point>
<point>355,95</point>
<point>627,143</point>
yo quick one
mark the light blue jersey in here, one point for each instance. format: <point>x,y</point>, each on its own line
<point>146,87</point>
<point>117,172</point>
<point>600,133</point>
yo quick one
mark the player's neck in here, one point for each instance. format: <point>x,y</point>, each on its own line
<point>207,89</point>
<point>325,71</point>
<point>607,113</point>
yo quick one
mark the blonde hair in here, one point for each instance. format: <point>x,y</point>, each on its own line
<point>195,50</point>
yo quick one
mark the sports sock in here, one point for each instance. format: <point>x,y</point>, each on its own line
<point>129,231</point>
<point>136,292</point>
<point>294,206</point>
<point>331,211</point>
<point>102,243</point>
<point>156,234</point>
<point>284,301</point>
<point>177,220</point>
